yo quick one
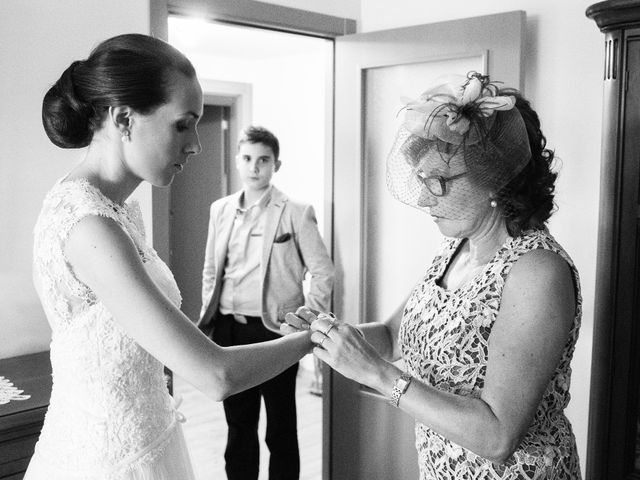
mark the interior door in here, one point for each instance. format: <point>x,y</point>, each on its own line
<point>192,192</point>
<point>383,253</point>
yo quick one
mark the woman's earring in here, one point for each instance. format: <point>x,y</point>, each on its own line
<point>493,203</point>
<point>125,136</point>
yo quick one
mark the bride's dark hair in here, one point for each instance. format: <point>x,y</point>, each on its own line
<point>127,70</point>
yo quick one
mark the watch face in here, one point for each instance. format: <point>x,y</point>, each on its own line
<point>402,384</point>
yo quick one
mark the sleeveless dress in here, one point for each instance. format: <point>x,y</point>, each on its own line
<point>110,416</point>
<point>444,338</point>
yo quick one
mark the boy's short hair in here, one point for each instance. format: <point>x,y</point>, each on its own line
<point>255,134</point>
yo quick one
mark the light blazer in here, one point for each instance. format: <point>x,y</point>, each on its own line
<point>283,264</point>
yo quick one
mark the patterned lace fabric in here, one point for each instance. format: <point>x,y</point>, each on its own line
<point>110,412</point>
<point>444,339</point>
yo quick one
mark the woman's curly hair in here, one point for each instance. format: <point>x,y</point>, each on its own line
<point>527,200</point>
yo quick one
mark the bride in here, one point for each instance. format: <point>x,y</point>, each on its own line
<point>112,304</point>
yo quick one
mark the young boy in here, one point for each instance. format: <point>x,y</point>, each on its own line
<point>259,247</point>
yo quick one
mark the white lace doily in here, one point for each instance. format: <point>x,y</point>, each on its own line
<point>8,392</point>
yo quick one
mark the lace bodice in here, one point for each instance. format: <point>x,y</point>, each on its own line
<point>109,407</point>
<point>444,339</point>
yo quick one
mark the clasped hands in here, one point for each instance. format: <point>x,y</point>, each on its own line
<point>306,318</point>
<point>340,345</point>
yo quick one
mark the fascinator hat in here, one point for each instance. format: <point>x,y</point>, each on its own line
<point>464,116</point>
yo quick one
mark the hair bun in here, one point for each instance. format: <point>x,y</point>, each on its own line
<point>66,118</point>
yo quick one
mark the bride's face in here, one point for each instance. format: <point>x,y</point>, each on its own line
<point>162,141</point>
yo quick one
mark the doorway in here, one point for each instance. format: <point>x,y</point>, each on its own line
<point>283,82</point>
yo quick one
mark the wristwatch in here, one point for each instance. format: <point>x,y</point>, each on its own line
<point>399,387</point>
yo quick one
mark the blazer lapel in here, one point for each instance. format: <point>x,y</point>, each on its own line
<point>272,219</point>
<point>224,233</point>
<point>226,226</point>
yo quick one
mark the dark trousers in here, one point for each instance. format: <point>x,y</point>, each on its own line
<point>242,455</point>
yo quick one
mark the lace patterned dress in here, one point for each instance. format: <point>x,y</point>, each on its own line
<point>110,416</point>
<point>444,339</point>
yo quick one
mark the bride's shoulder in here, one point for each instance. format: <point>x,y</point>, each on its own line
<point>69,202</point>
<point>76,198</point>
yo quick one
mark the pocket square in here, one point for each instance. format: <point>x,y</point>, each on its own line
<point>282,238</point>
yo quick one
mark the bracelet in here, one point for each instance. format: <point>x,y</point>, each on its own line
<point>399,388</point>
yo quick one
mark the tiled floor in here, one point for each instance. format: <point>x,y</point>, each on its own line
<point>206,429</point>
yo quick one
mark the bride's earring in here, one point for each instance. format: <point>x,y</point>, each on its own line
<point>493,203</point>
<point>126,131</point>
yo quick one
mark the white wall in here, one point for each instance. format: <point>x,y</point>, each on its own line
<point>563,78</point>
<point>38,40</point>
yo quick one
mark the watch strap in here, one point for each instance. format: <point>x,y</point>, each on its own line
<point>399,388</point>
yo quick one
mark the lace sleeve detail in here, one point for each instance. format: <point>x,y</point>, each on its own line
<point>65,205</point>
<point>135,214</point>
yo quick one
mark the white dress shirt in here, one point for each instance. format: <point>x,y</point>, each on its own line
<point>241,287</point>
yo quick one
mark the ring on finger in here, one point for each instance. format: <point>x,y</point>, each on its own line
<point>330,317</point>
<point>322,341</point>
<point>326,333</point>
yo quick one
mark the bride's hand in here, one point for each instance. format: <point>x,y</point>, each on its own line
<point>300,321</point>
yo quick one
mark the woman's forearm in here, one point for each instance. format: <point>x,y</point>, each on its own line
<point>250,365</point>
<point>379,336</point>
<point>465,420</point>
<point>222,371</point>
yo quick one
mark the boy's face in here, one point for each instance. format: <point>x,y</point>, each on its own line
<point>256,164</point>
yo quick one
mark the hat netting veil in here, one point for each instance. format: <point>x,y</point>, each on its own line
<point>462,116</point>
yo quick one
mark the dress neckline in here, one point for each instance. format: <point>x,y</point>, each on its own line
<point>451,252</point>
<point>126,206</point>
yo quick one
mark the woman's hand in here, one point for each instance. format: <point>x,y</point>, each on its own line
<point>344,348</point>
<point>300,321</point>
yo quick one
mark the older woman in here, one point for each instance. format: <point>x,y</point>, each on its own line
<point>488,335</point>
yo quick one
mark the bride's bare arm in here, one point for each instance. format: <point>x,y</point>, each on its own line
<point>105,259</point>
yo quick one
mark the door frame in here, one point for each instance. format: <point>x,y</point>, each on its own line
<point>265,15</point>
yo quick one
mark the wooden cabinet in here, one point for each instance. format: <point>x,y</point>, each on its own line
<point>613,448</point>
<point>21,421</point>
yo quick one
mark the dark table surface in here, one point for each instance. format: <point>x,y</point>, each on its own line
<point>31,373</point>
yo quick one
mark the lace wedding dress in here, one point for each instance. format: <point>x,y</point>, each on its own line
<point>110,414</point>
<point>444,338</point>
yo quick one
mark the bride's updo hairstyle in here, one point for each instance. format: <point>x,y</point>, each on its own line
<point>127,70</point>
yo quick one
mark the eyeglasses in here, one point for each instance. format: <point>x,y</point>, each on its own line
<point>437,184</point>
